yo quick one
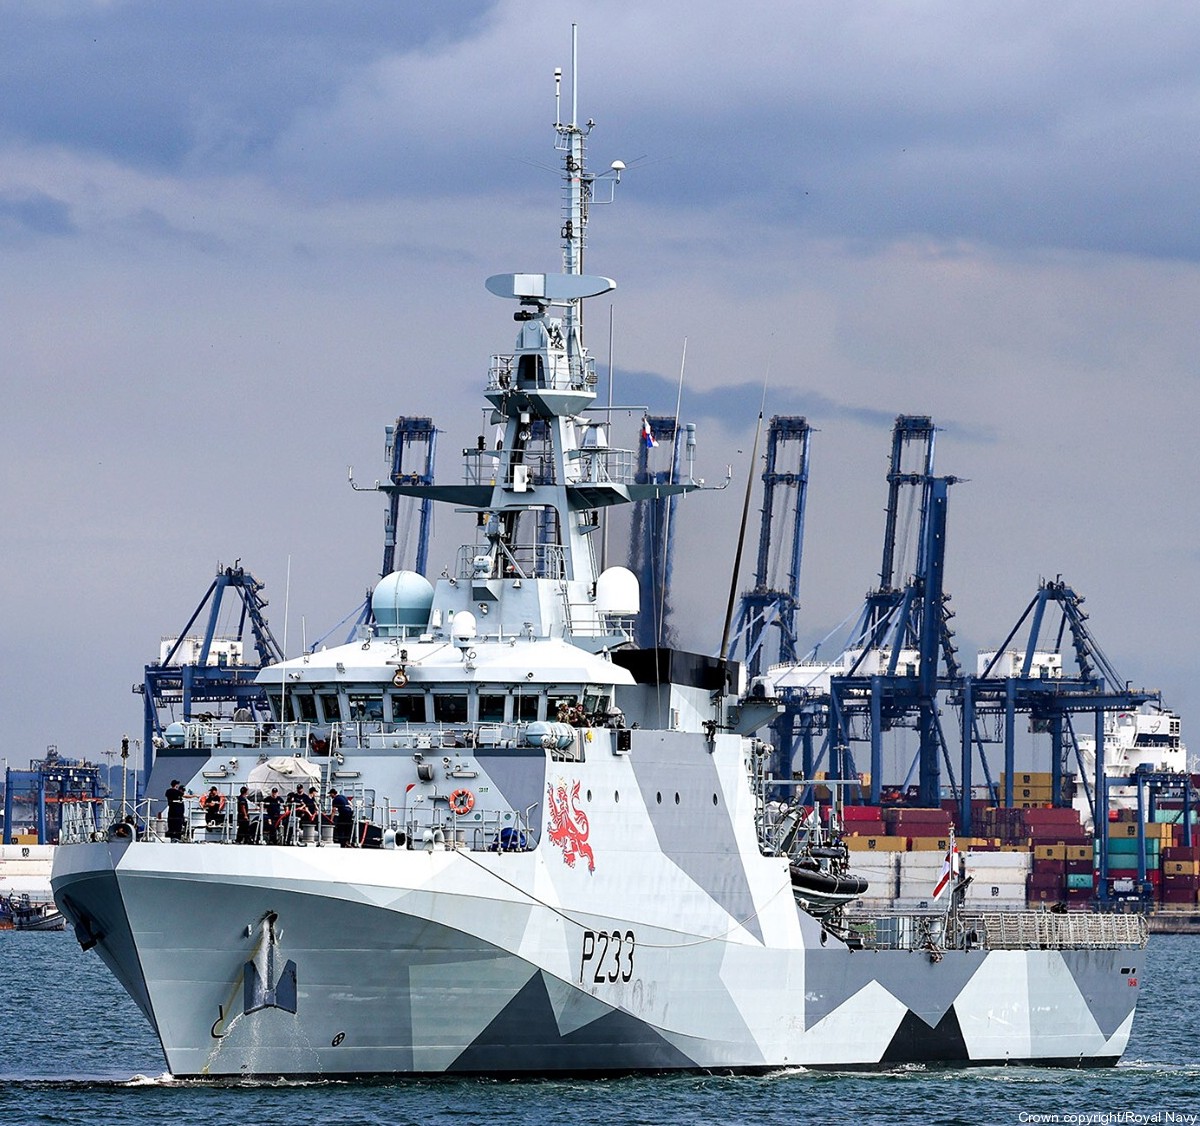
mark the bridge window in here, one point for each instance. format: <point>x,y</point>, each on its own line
<point>408,707</point>
<point>366,707</point>
<point>303,706</point>
<point>491,707</point>
<point>563,708</point>
<point>330,710</point>
<point>595,702</point>
<point>525,708</point>
<point>449,709</point>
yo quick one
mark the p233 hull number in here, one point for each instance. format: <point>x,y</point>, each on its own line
<point>606,957</point>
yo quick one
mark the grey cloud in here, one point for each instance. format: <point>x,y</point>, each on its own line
<point>162,86</point>
<point>736,405</point>
<point>35,213</point>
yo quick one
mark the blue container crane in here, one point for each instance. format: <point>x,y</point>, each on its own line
<point>173,688</point>
<point>651,534</point>
<point>771,604</point>
<point>908,623</point>
<point>405,438</point>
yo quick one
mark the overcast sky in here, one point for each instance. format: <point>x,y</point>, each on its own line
<point>237,239</point>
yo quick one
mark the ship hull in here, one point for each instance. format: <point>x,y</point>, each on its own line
<point>415,963</point>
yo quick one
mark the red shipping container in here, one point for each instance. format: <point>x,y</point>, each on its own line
<point>1178,895</point>
<point>916,815</point>
<point>1192,883</point>
<point>865,829</point>
<point>1049,868</point>
<point>1052,815</point>
<point>1180,852</point>
<point>862,813</point>
<point>1038,881</point>
<point>1079,867</point>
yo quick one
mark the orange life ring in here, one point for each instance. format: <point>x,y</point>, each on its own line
<point>462,802</point>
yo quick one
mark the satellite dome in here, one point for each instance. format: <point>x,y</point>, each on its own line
<point>618,591</point>
<point>402,600</point>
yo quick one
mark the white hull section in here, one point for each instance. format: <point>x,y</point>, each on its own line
<point>409,962</point>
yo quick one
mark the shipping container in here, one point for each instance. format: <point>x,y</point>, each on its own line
<point>877,844</point>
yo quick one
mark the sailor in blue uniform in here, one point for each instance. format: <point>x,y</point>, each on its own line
<point>175,795</point>
<point>343,817</point>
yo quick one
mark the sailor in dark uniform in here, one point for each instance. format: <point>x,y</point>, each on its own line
<point>272,816</point>
<point>244,833</point>
<point>343,817</point>
<point>175,795</point>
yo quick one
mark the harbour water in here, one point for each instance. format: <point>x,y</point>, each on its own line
<point>74,1049</point>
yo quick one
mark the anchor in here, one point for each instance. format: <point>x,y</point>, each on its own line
<point>265,990</point>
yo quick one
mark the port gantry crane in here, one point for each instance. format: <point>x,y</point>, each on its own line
<point>405,437</point>
<point>210,669</point>
<point>902,636</point>
<point>652,532</point>
<point>402,441</point>
<point>765,626</point>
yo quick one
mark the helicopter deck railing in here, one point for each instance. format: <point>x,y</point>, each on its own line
<point>999,930</point>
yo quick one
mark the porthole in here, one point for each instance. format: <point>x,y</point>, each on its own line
<point>616,795</point>
<point>715,799</point>
<point>676,799</point>
<point>658,798</point>
<point>589,795</point>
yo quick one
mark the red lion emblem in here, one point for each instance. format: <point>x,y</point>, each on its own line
<point>569,824</point>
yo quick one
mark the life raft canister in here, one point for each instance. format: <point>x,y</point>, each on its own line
<point>462,802</point>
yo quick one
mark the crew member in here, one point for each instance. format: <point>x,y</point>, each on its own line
<point>343,817</point>
<point>309,807</point>
<point>214,808</point>
<point>245,834</point>
<point>175,817</point>
<point>272,816</point>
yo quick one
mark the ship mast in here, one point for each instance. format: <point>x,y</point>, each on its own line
<point>578,195</point>
<point>539,489</point>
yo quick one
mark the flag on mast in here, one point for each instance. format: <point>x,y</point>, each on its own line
<point>648,434</point>
<point>950,867</point>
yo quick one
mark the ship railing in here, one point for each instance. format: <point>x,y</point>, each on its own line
<point>435,827</point>
<point>521,561</point>
<point>216,734</point>
<point>1050,930</point>
<point>603,465</point>
<point>562,376</point>
<point>998,930</point>
<point>584,621</point>
<point>110,819</point>
<point>403,736</point>
<point>482,466</point>
<point>292,828</point>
